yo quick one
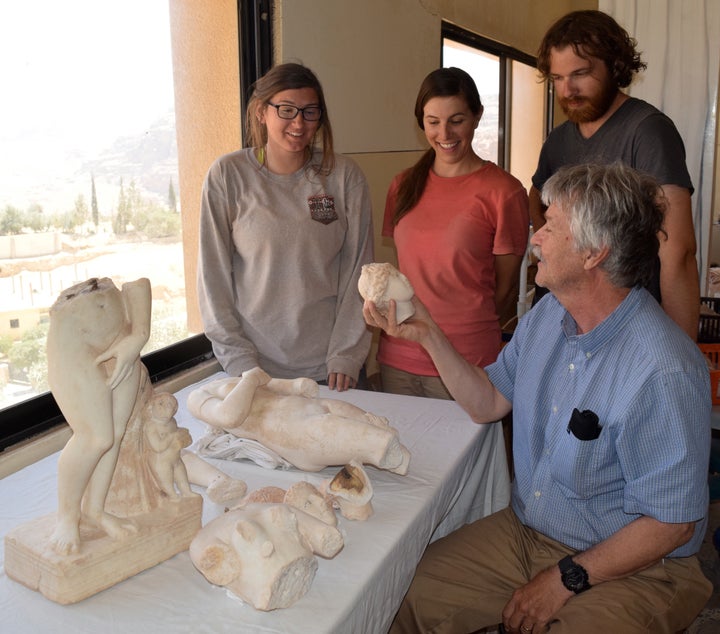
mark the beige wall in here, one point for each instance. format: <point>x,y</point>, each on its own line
<point>370,56</point>
<point>206,73</point>
<point>27,319</point>
<point>517,23</point>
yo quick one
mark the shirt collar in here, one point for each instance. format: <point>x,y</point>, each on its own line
<point>592,341</point>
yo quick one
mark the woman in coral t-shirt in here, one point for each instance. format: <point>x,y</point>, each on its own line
<point>460,225</point>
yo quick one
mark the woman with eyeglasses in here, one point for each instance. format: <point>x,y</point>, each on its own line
<point>460,226</point>
<point>285,227</point>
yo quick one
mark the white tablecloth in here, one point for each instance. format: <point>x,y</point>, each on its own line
<point>458,473</point>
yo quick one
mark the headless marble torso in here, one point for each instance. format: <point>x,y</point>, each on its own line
<point>263,553</point>
<point>311,433</point>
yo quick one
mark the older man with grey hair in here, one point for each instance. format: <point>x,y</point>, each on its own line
<point>611,437</point>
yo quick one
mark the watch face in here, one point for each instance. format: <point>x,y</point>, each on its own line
<point>573,576</point>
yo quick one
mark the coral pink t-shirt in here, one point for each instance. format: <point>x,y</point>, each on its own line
<point>446,246</point>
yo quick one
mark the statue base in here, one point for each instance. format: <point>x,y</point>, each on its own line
<point>101,562</point>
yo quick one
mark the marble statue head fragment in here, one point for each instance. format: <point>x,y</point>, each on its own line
<point>380,282</point>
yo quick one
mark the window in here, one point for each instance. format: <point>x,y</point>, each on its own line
<point>90,185</point>
<point>89,171</point>
<point>518,106</point>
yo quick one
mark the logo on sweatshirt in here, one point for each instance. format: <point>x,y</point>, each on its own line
<point>322,208</point>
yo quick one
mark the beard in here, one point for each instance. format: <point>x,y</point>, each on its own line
<point>587,109</point>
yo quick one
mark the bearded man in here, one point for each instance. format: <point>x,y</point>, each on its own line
<point>590,58</point>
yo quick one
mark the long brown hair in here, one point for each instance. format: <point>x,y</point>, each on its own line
<point>288,76</point>
<point>443,82</point>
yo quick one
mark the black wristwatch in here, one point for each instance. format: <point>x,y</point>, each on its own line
<point>574,576</point>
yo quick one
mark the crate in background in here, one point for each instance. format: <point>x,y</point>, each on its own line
<point>709,325</point>
<point>709,329</point>
<point>713,303</point>
<point>712,352</point>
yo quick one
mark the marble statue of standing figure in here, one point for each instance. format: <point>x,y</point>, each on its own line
<point>94,370</point>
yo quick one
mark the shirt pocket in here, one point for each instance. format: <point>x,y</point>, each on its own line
<point>586,468</point>
<point>322,209</point>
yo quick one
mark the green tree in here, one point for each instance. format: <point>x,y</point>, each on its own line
<point>6,343</point>
<point>172,199</point>
<point>27,355</point>
<point>35,218</point>
<point>93,202</point>
<point>63,221</point>
<point>156,222</point>
<point>121,218</point>
<point>11,221</point>
<point>134,203</point>
<point>80,211</point>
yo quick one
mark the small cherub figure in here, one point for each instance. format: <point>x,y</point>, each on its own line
<point>166,441</point>
<point>381,282</point>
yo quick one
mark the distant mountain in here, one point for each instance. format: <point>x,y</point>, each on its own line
<point>149,159</point>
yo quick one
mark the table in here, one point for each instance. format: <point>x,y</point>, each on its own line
<point>458,473</point>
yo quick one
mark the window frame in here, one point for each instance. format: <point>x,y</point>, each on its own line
<point>255,20</point>
<point>40,414</point>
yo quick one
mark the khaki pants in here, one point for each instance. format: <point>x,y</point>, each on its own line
<point>464,581</point>
<point>396,381</point>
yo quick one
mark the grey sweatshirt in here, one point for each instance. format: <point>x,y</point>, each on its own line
<point>279,261</point>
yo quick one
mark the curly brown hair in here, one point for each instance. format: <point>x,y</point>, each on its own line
<point>593,34</point>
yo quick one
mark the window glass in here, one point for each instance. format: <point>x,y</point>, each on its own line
<point>512,129</point>
<point>88,172</point>
<point>484,68</point>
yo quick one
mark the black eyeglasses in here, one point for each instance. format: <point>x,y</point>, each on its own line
<point>286,111</point>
